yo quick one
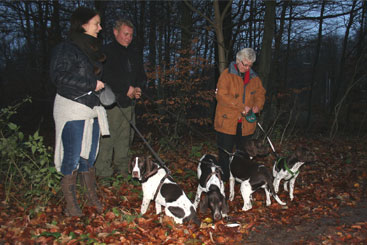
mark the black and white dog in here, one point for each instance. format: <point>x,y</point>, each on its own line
<point>288,169</point>
<point>250,174</point>
<point>210,182</point>
<point>158,186</point>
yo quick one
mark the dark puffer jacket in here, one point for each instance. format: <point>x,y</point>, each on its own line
<point>73,74</point>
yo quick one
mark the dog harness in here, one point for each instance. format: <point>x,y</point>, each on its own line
<point>286,166</point>
<point>151,173</point>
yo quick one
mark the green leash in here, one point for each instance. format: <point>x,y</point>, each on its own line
<point>286,166</point>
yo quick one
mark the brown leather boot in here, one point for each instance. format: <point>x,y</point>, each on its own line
<point>89,181</point>
<point>68,185</point>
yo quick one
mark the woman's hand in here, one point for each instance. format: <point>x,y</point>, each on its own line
<point>255,109</point>
<point>245,111</point>
<point>100,85</point>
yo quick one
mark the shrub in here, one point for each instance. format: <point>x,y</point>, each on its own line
<point>26,163</point>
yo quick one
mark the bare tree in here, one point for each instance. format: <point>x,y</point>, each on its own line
<point>266,49</point>
<point>217,24</point>
<point>315,62</point>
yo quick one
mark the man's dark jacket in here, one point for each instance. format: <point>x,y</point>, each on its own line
<point>122,69</point>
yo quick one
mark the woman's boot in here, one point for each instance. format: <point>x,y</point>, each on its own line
<point>68,185</point>
<point>89,181</point>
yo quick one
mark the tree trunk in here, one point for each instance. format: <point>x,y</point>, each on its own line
<point>186,28</point>
<point>340,77</point>
<point>266,49</point>
<point>315,63</point>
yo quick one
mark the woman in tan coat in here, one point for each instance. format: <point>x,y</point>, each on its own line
<point>239,90</point>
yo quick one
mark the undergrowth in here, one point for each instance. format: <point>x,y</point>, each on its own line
<point>26,163</point>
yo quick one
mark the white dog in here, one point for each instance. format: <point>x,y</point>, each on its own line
<point>158,186</point>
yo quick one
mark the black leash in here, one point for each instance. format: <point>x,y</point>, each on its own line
<point>161,163</point>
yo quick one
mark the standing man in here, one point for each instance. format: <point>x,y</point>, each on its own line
<point>239,90</point>
<point>124,72</point>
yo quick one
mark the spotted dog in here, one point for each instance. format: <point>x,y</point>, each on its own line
<point>289,168</point>
<point>158,186</point>
<point>210,182</point>
<point>250,174</point>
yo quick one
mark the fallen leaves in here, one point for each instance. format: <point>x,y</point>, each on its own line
<point>321,191</point>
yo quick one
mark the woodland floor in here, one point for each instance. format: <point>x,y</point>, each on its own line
<point>329,207</point>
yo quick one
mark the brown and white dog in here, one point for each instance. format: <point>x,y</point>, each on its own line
<point>250,174</point>
<point>288,168</point>
<point>211,183</point>
<point>158,186</point>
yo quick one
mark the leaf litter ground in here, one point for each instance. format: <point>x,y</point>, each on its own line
<point>329,208</point>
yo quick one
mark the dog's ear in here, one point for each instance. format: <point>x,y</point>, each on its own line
<point>225,207</point>
<point>204,205</point>
<point>149,163</point>
<point>131,164</point>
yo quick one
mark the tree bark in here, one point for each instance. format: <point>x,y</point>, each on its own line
<point>266,49</point>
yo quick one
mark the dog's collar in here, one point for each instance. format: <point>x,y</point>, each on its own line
<point>286,166</point>
<point>149,174</point>
<point>216,172</point>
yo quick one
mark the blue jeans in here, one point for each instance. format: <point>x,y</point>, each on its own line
<point>72,136</point>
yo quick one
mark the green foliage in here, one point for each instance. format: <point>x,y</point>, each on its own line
<point>26,164</point>
<point>168,143</point>
<point>196,150</point>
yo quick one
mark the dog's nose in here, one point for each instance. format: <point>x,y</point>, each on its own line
<point>135,174</point>
<point>217,216</point>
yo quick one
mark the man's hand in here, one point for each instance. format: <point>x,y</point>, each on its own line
<point>137,93</point>
<point>131,92</point>
<point>255,109</point>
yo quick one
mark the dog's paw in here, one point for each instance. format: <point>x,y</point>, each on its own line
<point>246,208</point>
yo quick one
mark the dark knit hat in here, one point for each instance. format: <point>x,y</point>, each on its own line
<point>80,17</point>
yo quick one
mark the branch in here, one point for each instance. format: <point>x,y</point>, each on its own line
<point>199,12</point>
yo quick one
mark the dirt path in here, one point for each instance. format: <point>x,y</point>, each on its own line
<point>345,225</point>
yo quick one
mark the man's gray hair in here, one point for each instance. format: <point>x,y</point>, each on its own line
<point>246,54</point>
<point>121,22</point>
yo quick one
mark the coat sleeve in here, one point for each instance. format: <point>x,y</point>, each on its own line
<point>260,94</point>
<point>141,77</point>
<point>224,96</point>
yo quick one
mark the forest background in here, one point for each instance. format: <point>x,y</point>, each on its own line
<point>311,58</point>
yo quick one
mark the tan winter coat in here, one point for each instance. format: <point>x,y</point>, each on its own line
<point>230,91</point>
